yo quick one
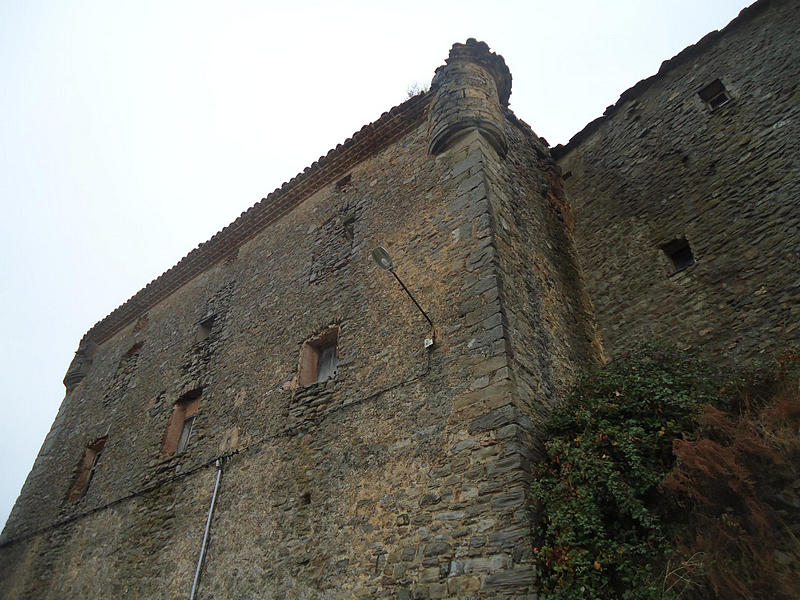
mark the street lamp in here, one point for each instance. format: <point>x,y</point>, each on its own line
<point>384,260</point>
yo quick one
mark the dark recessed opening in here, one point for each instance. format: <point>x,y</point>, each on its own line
<point>349,228</point>
<point>306,498</point>
<point>680,253</point>
<point>567,175</point>
<point>133,351</point>
<point>343,182</point>
<point>714,94</point>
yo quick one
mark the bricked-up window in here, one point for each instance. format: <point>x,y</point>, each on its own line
<point>179,428</point>
<point>123,375</point>
<point>680,253</point>
<point>333,244</point>
<point>319,358</point>
<point>91,459</point>
<point>204,327</point>
<point>714,94</point>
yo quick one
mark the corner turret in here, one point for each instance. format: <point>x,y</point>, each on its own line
<point>472,89</point>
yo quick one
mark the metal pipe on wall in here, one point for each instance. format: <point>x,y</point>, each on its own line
<point>192,596</point>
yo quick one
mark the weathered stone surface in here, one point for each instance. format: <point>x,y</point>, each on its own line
<point>662,165</point>
<point>513,579</point>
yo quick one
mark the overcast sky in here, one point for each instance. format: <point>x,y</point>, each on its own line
<point>132,131</point>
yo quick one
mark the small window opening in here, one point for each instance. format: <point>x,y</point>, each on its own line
<point>319,359</point>
<point>204,328</point>
<point>349,227</point>
<point>680,253</point>
<point>186,431</point>
<point>344,182</point>
<point>306,498</point>
<point>91,459</point>
<point>181,422</point>
<point>714,94</point>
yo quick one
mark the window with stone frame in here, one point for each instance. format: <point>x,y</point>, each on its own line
<point>714,94</point>
<point>181,423</point>
<point>88,466</point>
<point>319,358</point>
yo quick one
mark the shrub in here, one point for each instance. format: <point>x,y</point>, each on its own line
<point>659,482</point>
<point>609,448</point>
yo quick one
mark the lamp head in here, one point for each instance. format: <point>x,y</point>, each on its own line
<point>382,258</point>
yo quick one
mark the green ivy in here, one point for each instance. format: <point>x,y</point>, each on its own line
<point>604,533</point>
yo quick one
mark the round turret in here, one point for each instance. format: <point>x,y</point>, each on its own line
<point>472,88</point>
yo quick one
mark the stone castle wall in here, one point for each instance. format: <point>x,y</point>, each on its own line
<point>663,165</point>
<point>406,475</point>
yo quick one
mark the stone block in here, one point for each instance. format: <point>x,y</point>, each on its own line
<point>512,580</point>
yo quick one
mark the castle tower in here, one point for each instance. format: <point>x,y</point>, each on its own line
<point>471,90</point>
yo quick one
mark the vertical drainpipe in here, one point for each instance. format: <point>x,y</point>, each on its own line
<point>196,581</point>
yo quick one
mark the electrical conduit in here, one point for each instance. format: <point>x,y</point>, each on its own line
<point>196,581</point>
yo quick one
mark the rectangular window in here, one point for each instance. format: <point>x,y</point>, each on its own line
<point>319,359</point>
<point>327,363</point>
<point>680,253</point>
<point>714,94</point>
<point>181,421</point>
<point>186,431</point>
<point>91,459</point>
<point>204,328</point>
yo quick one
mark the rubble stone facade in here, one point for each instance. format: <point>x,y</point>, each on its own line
<point>664,165</point>
<point>405,474</point>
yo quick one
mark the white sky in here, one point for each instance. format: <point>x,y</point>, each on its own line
<point>131,131</point>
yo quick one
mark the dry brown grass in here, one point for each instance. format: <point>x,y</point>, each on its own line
<point>737,480</point>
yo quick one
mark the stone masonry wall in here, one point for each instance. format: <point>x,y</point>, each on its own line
<point>550,325</point>
<point>663,165</point>
<point>536,317</point>
<point>403,477</point>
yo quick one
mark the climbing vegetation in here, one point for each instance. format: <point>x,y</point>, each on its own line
<point>662,481</point>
